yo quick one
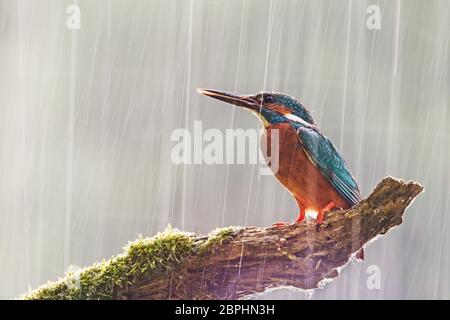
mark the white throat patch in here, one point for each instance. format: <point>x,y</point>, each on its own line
<point>297,119</point>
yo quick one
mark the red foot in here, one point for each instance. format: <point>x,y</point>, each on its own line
<point>300,218</point>
<point>280,224</point>
<point>325,209</point>
<point>301,215</point>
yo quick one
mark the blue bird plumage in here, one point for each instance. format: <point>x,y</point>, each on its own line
<point>311,167</point>
<point>319,148</point>
<point>324,155</point>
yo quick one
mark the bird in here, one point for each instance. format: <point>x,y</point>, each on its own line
<point>310,166</point>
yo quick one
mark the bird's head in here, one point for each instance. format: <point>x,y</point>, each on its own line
<point>270,107</point>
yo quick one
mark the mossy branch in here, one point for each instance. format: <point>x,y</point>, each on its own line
<point>236,262</point>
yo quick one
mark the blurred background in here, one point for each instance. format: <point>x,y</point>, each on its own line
<point>87,115</point>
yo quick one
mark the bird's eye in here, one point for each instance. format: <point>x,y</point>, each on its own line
<point>268,99</point>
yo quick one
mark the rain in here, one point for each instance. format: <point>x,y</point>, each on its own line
<point>87,112</point>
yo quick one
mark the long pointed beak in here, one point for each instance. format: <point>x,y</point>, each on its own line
<point>245,101</point>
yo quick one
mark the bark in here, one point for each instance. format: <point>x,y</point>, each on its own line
<point>301,255</point>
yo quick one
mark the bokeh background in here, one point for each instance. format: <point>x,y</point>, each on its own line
<point>86,118</point>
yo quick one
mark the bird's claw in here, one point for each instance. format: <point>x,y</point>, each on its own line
<point>285,224</point>
<point>318,226</point>
<point>280,224</point>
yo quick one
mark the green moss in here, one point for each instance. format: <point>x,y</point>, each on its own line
<point>217,237</point>
<point>143,258</point>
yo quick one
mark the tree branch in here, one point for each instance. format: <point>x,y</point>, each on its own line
<point>300,255</point>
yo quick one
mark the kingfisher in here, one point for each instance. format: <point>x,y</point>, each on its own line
<point>310,166</point>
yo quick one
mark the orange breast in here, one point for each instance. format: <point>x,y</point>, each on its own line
<point>298,174</point>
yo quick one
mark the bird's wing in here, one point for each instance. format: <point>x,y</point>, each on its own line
<point>327,159</point>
